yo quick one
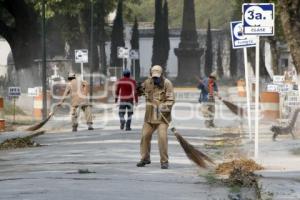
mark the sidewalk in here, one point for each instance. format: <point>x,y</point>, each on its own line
<point>281,177</point>
<point>280,180</point>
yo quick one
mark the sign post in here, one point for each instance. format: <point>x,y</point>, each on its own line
<point>133,55</point>
<point>258,20</point>
<point>123,53</point>
<point>239,40</point>
<point>14,93</point>
<point>81,56</point>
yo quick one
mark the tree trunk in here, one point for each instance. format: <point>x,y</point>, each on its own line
<point>274,54</point>
<point>24,38</point>
<point>262,67</point>
<point>291,26</point>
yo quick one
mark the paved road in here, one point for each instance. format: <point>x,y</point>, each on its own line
<point>51,171</point>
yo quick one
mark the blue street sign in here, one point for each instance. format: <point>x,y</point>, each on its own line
<point>14,91</point>
<point>239,40</point>
<point>259,19</point>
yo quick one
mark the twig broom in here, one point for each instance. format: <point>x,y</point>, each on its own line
<point>42,123</point>
<point>192,153</point>
<point>234,108</point>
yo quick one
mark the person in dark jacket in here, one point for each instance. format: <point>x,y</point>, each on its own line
<point>209,90</point>
<point>126,93</point>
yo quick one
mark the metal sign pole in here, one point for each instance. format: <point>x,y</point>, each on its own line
<point>248,92</point>
<point>256,96</point>
<point>14,120</point>
<point>81,67</point>
<point>44,65</point>
<point>133,65</point>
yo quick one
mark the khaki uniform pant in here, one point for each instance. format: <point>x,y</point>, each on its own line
<point>87,114</point>
<point>208,111</point>
<point>147,132</point>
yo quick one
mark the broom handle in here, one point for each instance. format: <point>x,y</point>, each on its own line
<point>173,129</point>
<point>54,111</point>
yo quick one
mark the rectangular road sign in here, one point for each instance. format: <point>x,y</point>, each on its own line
<point>272,88</point>
<point>123,52</point>
<point>32,92</point>
<point>81,56</point>
<point>259,19</point>
<point>134,54</point>
<point>14,91</point>
<point>239,40</point>
<point>278,79</point>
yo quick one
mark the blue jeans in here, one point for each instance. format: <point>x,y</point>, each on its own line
<point>126,106</point>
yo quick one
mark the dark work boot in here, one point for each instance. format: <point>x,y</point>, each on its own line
<point>164,165</point>
<point>90,128</point>
<point>74,129</point>
<point>128,123</point>
<point>122,126</point>
<point>142,163</point>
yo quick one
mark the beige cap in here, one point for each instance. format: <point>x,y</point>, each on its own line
<point>214,74</point>
<point>71,75</point>
<point>156,71</point>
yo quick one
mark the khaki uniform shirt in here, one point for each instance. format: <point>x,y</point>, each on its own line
<point>78,91</point>
<point>164,95</point>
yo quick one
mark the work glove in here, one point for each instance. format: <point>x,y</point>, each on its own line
<point>164,108</point>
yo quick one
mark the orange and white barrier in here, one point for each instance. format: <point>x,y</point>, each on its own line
<point>2,120</point>
<point>241,87</point>
<point>270,103</point>
<point>38,105</point>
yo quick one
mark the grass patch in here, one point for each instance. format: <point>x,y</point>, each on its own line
<point>210,178</point>
<point>295,151</point>
<point>235,189</point>
<point>20,122</point>
<point>9,109</point>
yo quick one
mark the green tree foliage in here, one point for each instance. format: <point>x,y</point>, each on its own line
<point>67,21</point>
<point>289,12</point>
<point>135,44</point>
<point>19,26</point>
<point>161,43</point>
<point>157,40</point>
<point>117,36</point>
<point>220,69</point>
<point>233,63</point>
<point>165,33</point>
<point>208,52</point>
<point>218,10</point>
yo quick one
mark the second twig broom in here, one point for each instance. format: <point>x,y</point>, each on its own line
<point>234,108</point>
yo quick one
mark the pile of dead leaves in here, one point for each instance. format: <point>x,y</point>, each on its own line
<point>247,165</point>
<point>242,178</point>
<point>240,172</point>
<point>17,143</point>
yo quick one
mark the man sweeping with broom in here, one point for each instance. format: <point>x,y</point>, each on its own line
<point>78,91</point>
<point>209,90</point>
<point>159,96</point>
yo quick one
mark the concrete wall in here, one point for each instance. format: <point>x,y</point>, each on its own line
<point>146,41</point>
<point>4,51</point>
